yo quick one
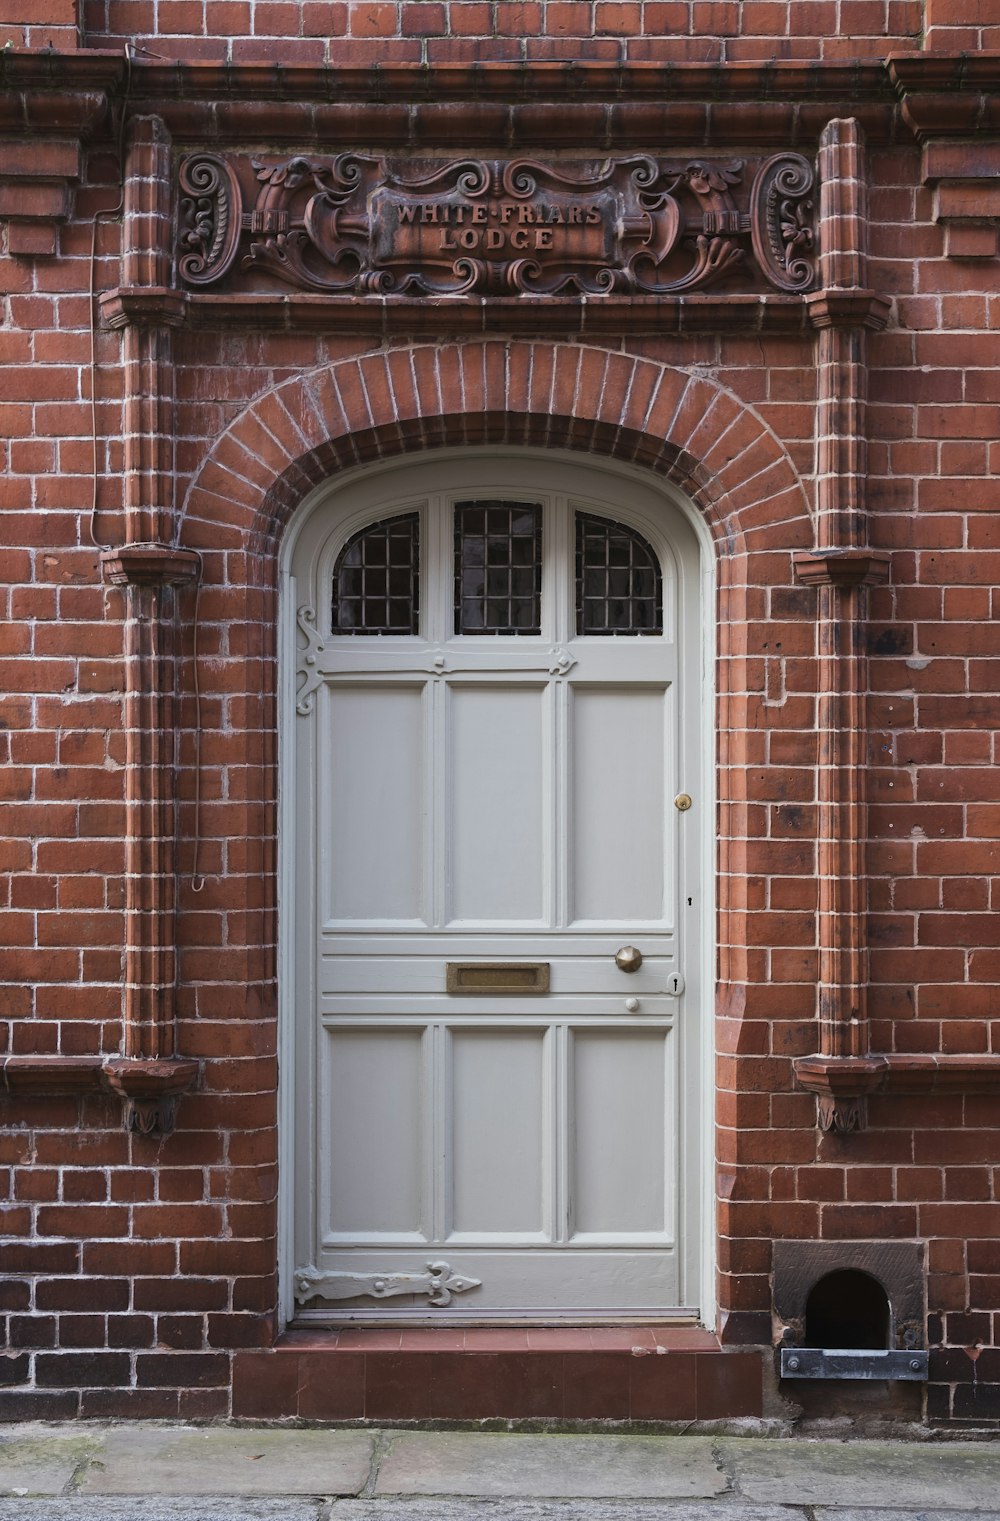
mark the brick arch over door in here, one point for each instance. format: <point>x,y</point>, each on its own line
<point>305,430</point>
<point>681,425</point>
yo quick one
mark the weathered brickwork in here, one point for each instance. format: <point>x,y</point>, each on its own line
<point>438,31</point>
<point>138,1267</point>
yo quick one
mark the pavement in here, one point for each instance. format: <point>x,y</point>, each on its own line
<point>152,1472</point>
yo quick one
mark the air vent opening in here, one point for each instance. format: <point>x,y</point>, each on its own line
<point>848,1308</point>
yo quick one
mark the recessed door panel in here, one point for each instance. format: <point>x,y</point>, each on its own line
<point>371,796</point>
<point>620,1127</point>
<point>375,1107</point>
<point>496,800</point>
<point>618,784</point>
<point>500,1132</point>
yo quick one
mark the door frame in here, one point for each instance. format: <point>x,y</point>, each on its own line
<point>703,1174</point>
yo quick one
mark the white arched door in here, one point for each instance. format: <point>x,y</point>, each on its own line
<point>497,704</point>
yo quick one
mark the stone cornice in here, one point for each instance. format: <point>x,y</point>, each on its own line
<point>163,80</point>
<point>59,111</point>
<point>956,73</point>
<point>374,315</point>
<point>948,94</point>
<point>502,105</point>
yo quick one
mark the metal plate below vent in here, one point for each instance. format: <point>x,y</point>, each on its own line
<point>820,1362</point>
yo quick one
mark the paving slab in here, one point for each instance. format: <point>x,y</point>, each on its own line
<point>958,1476</point>
<point>479,1509</point>
<point>822,1513</point>
<point>501,1464</point>
<point>228,1461</point>
<point>151,1508</point>
<point>39,1459</point>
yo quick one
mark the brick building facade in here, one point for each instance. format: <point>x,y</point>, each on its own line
<point>757,276</point>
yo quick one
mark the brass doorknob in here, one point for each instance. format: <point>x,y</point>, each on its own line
<point>628,959</point>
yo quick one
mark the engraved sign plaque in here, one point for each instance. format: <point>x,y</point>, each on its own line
<point>360,225</point>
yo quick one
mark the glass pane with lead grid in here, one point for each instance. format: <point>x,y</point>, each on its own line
<point>498,567</point>
<point>619,586</point>
<point>376,580</point>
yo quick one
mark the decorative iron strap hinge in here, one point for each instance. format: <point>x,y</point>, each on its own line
<point>438,1283</point>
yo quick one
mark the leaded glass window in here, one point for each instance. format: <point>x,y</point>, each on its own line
<point>498,567</point>
<point>376,580</point>
<point>619,585</point>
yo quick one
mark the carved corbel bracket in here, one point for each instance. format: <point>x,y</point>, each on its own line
<point>842,567</point>
<point>143,306</point>
<point>150,565</point>
<point>843,1084</point>
<point>965,179</point>
<point>40,149</point>
<point>150,1090</point>
<point>848,308</point>
<point>949,102</point>
<point>38,177</point>
<point>947,94</point>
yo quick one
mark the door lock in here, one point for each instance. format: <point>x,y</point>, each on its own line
<point>628,959</point>
<point>683,801</point>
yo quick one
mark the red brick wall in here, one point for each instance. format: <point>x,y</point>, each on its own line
<point>133,1266</point>
<point>384,31</point>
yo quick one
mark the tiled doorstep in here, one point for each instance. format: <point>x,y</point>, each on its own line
<point>683,1337</point>
<point>634,1373</point>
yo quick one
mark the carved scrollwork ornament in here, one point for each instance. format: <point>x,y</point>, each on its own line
<point>781,220</point>
<point>356,224</point>
<point>840,1115</point>
<point>210,218</point>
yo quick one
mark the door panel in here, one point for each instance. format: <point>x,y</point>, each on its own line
<point>375,1114</point>
<point>621,1118</point>
<point>500,1152</point>
<point>373,828</point>
<point>493,799</point>
<point>497,852</point>
<point>618,784</point>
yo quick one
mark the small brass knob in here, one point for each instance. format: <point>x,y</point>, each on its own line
<point>628,959</point>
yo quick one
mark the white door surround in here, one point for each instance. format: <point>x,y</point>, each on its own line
<point>511,800</point>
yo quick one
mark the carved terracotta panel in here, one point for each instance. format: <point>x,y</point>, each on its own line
<point>357,225</point>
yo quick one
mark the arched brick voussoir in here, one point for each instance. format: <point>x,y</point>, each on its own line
<point>385,403</point>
